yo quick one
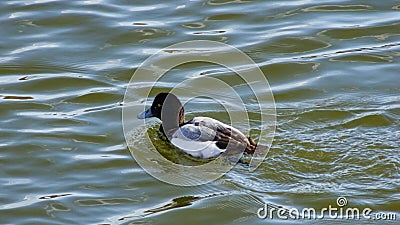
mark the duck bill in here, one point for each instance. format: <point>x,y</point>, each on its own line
<point>145,114</point>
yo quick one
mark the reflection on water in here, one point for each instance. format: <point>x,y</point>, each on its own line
<point>65,65</point>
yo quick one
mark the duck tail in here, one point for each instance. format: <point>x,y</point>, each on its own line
<point>253,145</point>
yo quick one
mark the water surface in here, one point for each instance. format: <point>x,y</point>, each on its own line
<point>64,66</point>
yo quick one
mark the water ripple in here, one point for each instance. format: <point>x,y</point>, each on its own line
<point>64,67</point>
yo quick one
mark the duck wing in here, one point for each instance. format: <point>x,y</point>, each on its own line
<point>197,141</point>
<point>205,137</point>
<point>192,132</point>
<point>222,134</point>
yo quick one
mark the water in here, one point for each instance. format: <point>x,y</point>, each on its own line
<point>332,65</point>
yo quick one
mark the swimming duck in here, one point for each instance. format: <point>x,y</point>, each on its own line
<point>201,137</point>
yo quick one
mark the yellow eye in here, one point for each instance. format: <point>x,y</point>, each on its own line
<point>159,105</point>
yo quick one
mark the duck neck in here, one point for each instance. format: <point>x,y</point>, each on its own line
<point>181,118</point>
<point>172,122</point>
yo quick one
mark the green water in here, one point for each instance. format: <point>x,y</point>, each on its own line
<point>64,67</point>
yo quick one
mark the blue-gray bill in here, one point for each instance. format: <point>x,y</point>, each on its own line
<point>145,114</point>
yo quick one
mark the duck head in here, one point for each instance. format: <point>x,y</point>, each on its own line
<point>167,108</point>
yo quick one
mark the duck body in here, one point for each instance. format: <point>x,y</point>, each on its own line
<point>200,137</point>
<point>197,137</point>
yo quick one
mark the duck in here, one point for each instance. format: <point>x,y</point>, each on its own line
<point>201,137</point>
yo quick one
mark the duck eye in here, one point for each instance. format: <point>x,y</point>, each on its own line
<point>158,105</point>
